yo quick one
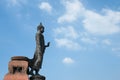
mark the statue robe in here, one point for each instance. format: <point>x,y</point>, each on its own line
<point>39,52</point>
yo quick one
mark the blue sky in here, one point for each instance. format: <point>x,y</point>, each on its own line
<point>84,36</point>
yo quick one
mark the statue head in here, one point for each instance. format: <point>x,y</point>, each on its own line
<point>40,28</point>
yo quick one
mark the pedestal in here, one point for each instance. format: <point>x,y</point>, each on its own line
<point>37,77</point>
<point>18,67</point>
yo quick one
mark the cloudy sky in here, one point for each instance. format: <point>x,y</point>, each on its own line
<point>84,36</point>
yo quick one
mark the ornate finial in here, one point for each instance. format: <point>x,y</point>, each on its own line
<point>40,26</point>
<point>40,23</point>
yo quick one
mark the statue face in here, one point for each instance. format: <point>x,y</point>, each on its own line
<point>41,29</point>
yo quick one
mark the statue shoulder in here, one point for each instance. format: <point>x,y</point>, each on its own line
<point>38,32</point>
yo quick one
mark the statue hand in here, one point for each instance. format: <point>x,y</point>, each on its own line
<point>48,44</point>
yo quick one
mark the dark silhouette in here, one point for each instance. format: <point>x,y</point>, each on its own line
<point>36,63</point>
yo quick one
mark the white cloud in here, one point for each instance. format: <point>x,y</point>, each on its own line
<point>95,24</point>
<point>16,2</point>
<point>102,24</point>
<point>68,60</point>
<point>67,32</point>
<point>106,42</point>
<point>45,6</point>
<point>98,24</point>
<point>67,43</point>
<point>73,9</point>
<point>89,40</point>
<point>66,37</point>
<point>117,49</point>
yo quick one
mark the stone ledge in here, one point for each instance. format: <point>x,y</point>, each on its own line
<point>23,58</point>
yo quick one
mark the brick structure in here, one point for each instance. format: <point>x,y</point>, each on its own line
<point>18,67</point>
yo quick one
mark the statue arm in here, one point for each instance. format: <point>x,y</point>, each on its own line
<point>48,44</point>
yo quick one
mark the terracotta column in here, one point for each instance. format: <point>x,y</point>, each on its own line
<point>17,67</point>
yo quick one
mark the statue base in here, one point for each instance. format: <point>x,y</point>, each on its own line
<point>37,77</point>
